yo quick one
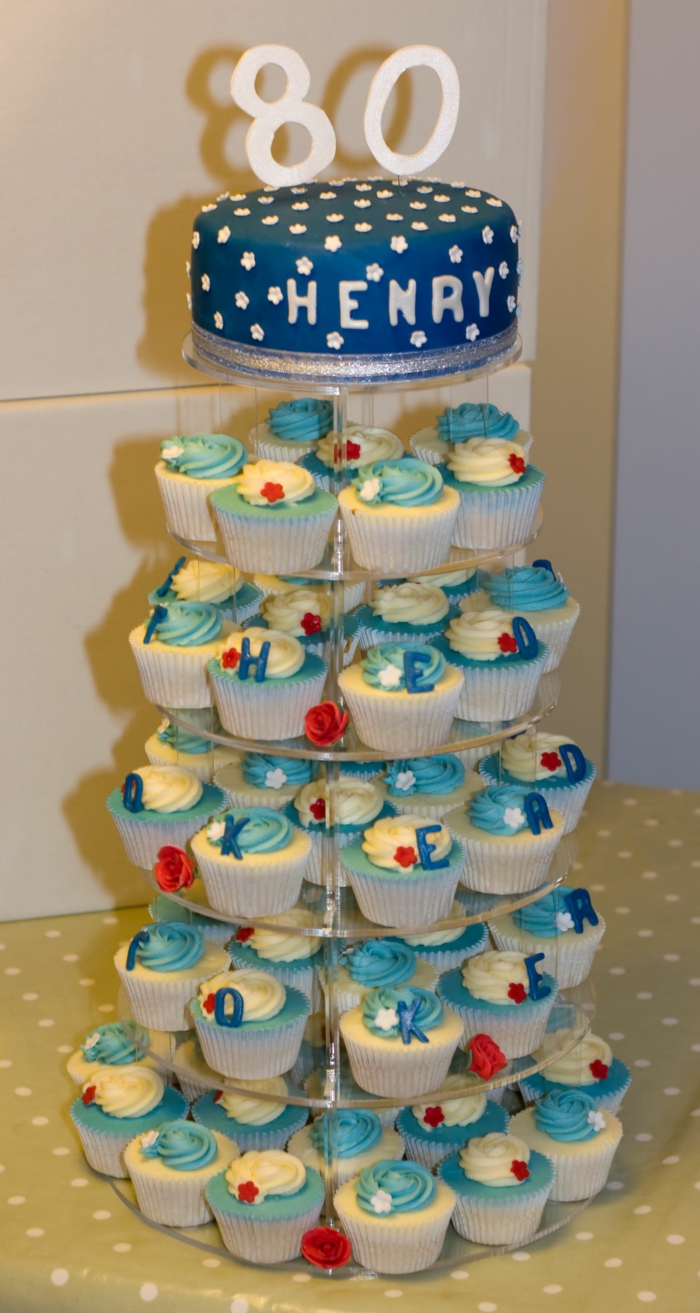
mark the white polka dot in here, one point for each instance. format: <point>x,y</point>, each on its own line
<point>459,1274</point>
<point>584,1235</point>
<point>11,971</point>
<point>577,866</point>
<point>211,1262</point>
<point>645,934</point>
<point>52,934</point>
<point>60,1152</point>
<point>672,898</point>
<point>671,957</point>
<point>651,821</point>
<point>694,981</point>
<point>622,911</point>
<point>23,1091</point>
<point>603,834</point>
<point>643,1137</point>
<point>121,1248</point>
<point>646,1296</point>
<point>520,1256</point>
<point>148,1292</point>
<point>695,1112</point>
<point>46,1022</point>
<point>697,1185</point>
<point>106,1007</point>
<point>675,843</point>
<point>34,1232</point>
<point>393,1294</point>
<point>695,1048</point>
<point>613,1262</point>
<point>70,957</point>
<point>299,1277</point>
<point>79,1182</point>
<point>598,888</point>
<point>668,1162</point>
<point>59,1276</point>
<point>675,1239</point>
<point>617,971</point>
<point>669,1021</point>
<point>629,802</point>
<point>695,920</point>
<point>650,875</point>
<point>676,793</point>
<point>103,1216</point>
<point>30,998</point>
<point>86,981</point>
<point>624,854</point>
<point>644,995</point>
<point>64,1048</point>
<point>487,1308</point>
<point>671,1089</point>
<point>110,920</point>
<point>643,1210</point>
<point>17,1199</point>
<point>616,1034</point>
<point>614,1185</point>
<point>40,1121</point>
<point>239,1305</point>
<point>642,1062</point>
<point>5,1062</point>
<point>552,1290</point>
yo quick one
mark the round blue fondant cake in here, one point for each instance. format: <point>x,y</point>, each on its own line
<point>337,281</point>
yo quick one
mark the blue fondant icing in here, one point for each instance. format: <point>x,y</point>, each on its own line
<point>173,1104</point>
<point>494,1118</point>
<point>275,1207</point>
<point>541,1175</point>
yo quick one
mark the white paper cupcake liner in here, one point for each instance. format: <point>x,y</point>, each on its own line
<point>511,1223</point>
<point>393,727</point>
<point>371,637</point>
<point>250,1054</point>
<point>243,890</point>
<point>201,764</point>
<point>555,634</point>
<point>314,871</point>
<point>268,447</point>
<point>104,1153</point>
<point>567,957</point>
<point>499,692</point>
<point>516,1033</point>
<point>510,867</point>
<point>274,546</point>
<point>502,517</point>
<point>394,1249</point>
<point>143,839</point>
<point>186,504</point>
<point>176,677</point>
<point>161,1004</point>
<point>427,1152</point>
<point>273,710</point>
<point>394,1073</point>
<point>172,1202</point>
<point>264,1241</point>
<point>581,1176</point>
<point>401,542</point>
<point>416,900</point>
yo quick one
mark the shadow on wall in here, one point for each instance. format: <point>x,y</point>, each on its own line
<point>166,317</point>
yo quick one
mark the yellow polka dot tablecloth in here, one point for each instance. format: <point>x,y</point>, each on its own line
<point>70,1243</point>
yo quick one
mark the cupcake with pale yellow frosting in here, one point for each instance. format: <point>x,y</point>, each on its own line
<point>172,650</point>
<point>589,1066</point>
<point>433,1130</point>
<point>292,429</point>
<point>170,1168</point>
<point>501,1188</point>
<point>399,515</point>
<point>457,424</point>
<point>158,806</point>
<point>409,612</point>
<point>404,870</point>
<point>510,836</point>
<point>274,518</point>
<point>374,962</point>
<point>550,763</point>
<point>293,958</point>
<point>251,1122</point>
<point>400,1041</point>
<point>455,583</point>
<point>264,1204</point>
<point>252,861</point>
<point>403,697</point>
<point>264,683</point>
<point>349,805</point>
<point>579,1139</point>
<point>500,660</point>
<point>499,492</point>
<point>353,1137</point>
<point>358,445</point>
<point>190,469</point>
<point>248,1023</point>
<point>175,745</point>
<point>396,1216</point>
<point>220,585</point>
<point>116,1104</point>
<point>160,970</point>
<point>501,995</point>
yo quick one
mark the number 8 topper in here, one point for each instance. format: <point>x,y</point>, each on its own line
<point>269,115</point>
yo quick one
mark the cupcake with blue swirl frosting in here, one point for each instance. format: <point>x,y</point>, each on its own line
<point>579,1138</point>
<point>251,1122</point>
<point>458,424</point>
<point>403,697</point>
<point>170,1168</point>
<point>430,785</point>
<point>510,836</point>
<point>292,429</point>
<point>399,516</point>
<point>248,1023</point>
<point>539,595</point>
<point>190,469</point>
<point>378,962</point>
<point>175,745</point>
<point>569,942</point>
<point>501,661</point>
<point>172,649</point>
<point>434,1129</point>
<point>383,1040</point>
<point>259,869</point>
<point>159,806</point>
<point>265,780</point>
<point>396,1215</point>
<point>354,1137</point>
<point>160,970</point>
<point>499,492</point>
<point>501,1188</point>
<point>550,763</point>
<point>111,1045</point>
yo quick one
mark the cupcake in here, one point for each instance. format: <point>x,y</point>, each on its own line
<point>539,595</point>
<point>400,1041</point>
<point>501,1187</point>
<point>563,925</point>
<point>189,470</point>
<point>160,971</point>
<point>455,584</point>
<point>359,446</point>
<point>172,745</point>
<point>510,836</point>
<point>353,1138</point>
<point>264,1204</point>
<point>551,763</point>
<point>444,949</point>
<point>262,780</point>
<point>292,429</point>
<point>404,871</point>
<point>193,1075</point>
<point>579,1140</point>
<point>294,959</point>
<point>408,612</point>
<point>588,1066</point>
<point>362,770</point>
<point>432,1131</point>
<point>495,994</point>
<point>499,492</point>
<point>113,1046</point>
<point>274,518</point>
<point>286,583</point>
<point>160,806</point>
<point>251,1123</point>
<point>263,696</point>
<point>349,805</point>
<point>399,515</point>
<point>248,1024</point>
<point>501,662</point>
<point>166,909</point>
<point>170,1168</point>
<point>395,1215</point>
<point>430,785</point>
<point>116,1104</point>
<point>374,963</point>
<point>219,585</point>
<point>457,424</point>
<point>172,651</point>
<point>252,861</point>
<point>402,697</point>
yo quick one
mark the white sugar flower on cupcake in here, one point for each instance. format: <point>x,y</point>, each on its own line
<point>172,649</point>
<point>252,861</point>
<point>293,958</point>
<point>457,424</point>
<point>349,804</point>
<point>502,995</point>
<point>358,445</point>
<point>396,1216</point>
<point>499,492</point>
<point>399,515</point>
<point>537,593</point>
<point>219,585</point>
<point>404,870</point>
<point>433,1130</point>
<point>501,1187</point>
<point>292,429</point>
<point>159,806</point>
<point>563,925</point>
<point>408,612</point>
<point>400,1040</point>
<point>403,697</point>
<point>353,1137</point>
<point>550,763</point>
<point>264,1203</point>
<point>274,518</point>
<point>579,1139</point>
<point>116,1104</point>
<point>248,1023</point>
<point>501,660</point>
<point>589,1065</point>
<point>510,836</point>
<point>190,469</point>
<point>374,963</point>
<point>264,683</point>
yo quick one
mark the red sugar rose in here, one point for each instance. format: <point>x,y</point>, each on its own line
<point>318,809</point>
<point>325,724</point>
<point>173,870</point>
<point>599,1069</point>
<point>507,643</point>
<point>487,1058</point>
<point>88,1095</point>
<point>406,856</point>
<point>517,992</point>
<point>230,658</point>
<point>209,1003</point>
<point>311,624</point>
<point>272,492</point>
<point>244,933</point>
<point>325,1247</point>
<point>247,1192</point>
<point>550,760</point>
<point>519,1169</point>
<point>517,464</point>
<point>433,1116</point>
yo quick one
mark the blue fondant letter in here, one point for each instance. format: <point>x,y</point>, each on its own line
<point>581,909</point>
<point>537,989</point>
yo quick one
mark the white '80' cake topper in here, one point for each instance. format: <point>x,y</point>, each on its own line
<point>291,107</point>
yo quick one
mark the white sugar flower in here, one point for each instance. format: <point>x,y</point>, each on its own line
<point>455,253</point>
<point>188,298</point>
<point>404,780</point>
<point>215,831</point>
<point>274,779</point>
<point>270,219</point>
<point>206,282</point>
<point>148,1139</point>
<point>418,338</point>
<point>362,186</point>
<point>470,209</point>
<point>565,921</point>
<point>332,243</point>
<point>304,265</point>
<point>239,196</point>
<point>420,227</point>
<point>441,199</point>
<point>519,267</point>
<point>298,191</point>
<point>418,205</point>
<point>472,332</point>
<point>241,211</point>
<point>596,1120</point>
<point>256,332</point>
<point>390,676</point>
<point>171,453</point>
<point>385,195</point>
<point>363,227</point>
<point>381,1202</point>
<point>513,817</point>
<point>362,205</point>
<point>447,218</point>
<point>491,200</point>
<point>399,244</point>
<point>265,200</point>
<point>334,218</point>
<point>275,294</point>
<point>297,228</point>
<point>518,310</point>
<point>334,341</point>
<point>188,267</point>
<point>386,1019</point>
<point>503,269</point>
<point>369,489</point>
<point>223,235</point>
<point>471,191</point>
<point>487,234</point>
<point>248,260</point>
<point>511,303</point>
<point>300,205</point>
<point>394,218</point>
<point>327,196</point>
<point>374,272</point>
<point>218,319</point>
<point>425,191</point>
<point>242,301</point>
<point>92,1040</point>
<point>207,208</point>
<point>514,232</point>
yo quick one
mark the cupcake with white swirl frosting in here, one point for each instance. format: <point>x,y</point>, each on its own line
<point>589,1065</point>
<point>409,612</point>
<point>433,1130</point>
<point>359,445</point>
<point>493,994</point>
<point>190,469</point>
<point>293,958</point>
<point>404,870</point>
<point>431,785</point>
<point>264,1204</point>
<point>374,963</point>
<point>400,1041</point>
<point>160,970</point>
<point>510,836</point>
<point>213,582</point>
<point>501,671</point>
<point>403,697</point>
<point>456,583</point>
<point>501,1188</point>
<point>535,758</point>
<point>265,780</point>
<point>170,1168</point>
<point>274,706</point>
<point>252,861</point>
<point>274,518</point>
<point>579,1139</point>
<point>116,1104</point>
<point>537,593</point>
<point>396,1215</point>
<point>457,424</point>
<point>252,1123</point>
<point>161,805</point>
<point>354,1137</point>
<point>172,649</point>
<point>286,583</point>
<point>349,804</point>
<point>292,429</point>
<point>399,515</point>
<point>249,1024</point>
<point>499,492</point>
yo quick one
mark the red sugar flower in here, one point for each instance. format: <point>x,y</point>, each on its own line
<point>487,1058</point>
<point>353,450</point>
<point>318,809</point>
<point>247,1192</point>
<point>517,992</point>
<point>325,1247</point>
<point>550,760</point>
<point>88,1095</point>
<point>517,464</point>
<point>272,492</point>
<point>519,1169</point>
<point>243,933</point>
<point>209,1003</point>
<point>173,870</point>
<point>599,1069</point>
<point>230,658</point>
<point>507,643</point>
<point>310,623</point>
<point>218,1095</point>
<point>433,1116</point>
<point>325,724</point>
<point>406,856</point>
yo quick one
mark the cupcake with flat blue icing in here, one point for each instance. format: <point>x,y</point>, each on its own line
<point>220,585</point>
<point>264,1203</point>
<point>161,969</point>
<point>579,1139</point>
<point>430,785</point>
<point>399,516</point>
<point>395,1215</point>
<point>444,949</point>
<point>404,870</point>
<point>510,836</point>
<point>263,779</point>
<point>563,925</point>
<point>177,745</point>
<point>499,492</point>
<point>538,594</point>
<point>400,1041</point>
<point>501,1188</point>
<point>274,518</point>
<point>118,1103</point>
<point>353,1137</point>
<point>349,805</point>
<point>403,697</point>
<point>378,962</point>
<point>457,424</point>
<point>293,957</point>
<point>500,660</point>
<point>170,1168</point>
<point>252,861</point>
<point>292,429</point>
<point>589,1066</point>
<point>409,612</point>
<point>167,909</point>
<point>434,1129</point>
<point>248,1023</point>
<point>264,683</point>
<point>251,1122</point>
<point>359,445</point>
<point>172,650</point>
<point>159,806</point>
<point>550,763</point>
<point>503,995</point>
<point>190,469</point>
<point>111,1045</point>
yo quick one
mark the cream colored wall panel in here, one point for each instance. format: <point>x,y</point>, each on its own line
<point>116,125</point>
